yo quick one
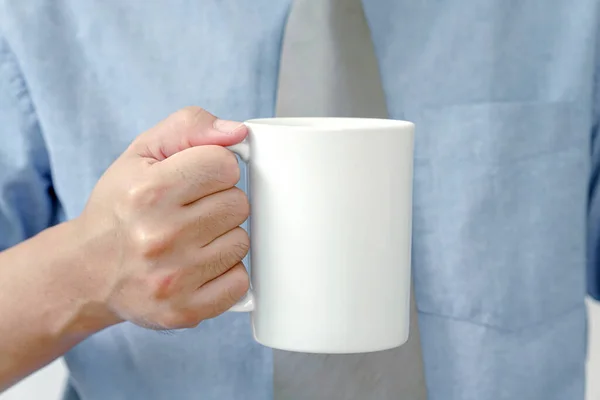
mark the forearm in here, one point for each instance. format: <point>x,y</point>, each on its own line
<point>45,302</point>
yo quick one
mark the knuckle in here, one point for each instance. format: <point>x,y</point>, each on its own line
<point>178,319</point>
<point>143,195</point>
<point>238,285</point>
<point>188,318</point>
<point>168,320</point>
<point>190,116</point>
<point>150,243</point>
<point>163,287</point>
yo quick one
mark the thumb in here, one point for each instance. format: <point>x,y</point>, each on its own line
<point>188,127</point>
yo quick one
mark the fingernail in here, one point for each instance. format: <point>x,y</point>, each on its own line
<point>226,126</point>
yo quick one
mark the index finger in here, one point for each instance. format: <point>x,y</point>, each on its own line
<point>186,128</point>
<point>198,172</point>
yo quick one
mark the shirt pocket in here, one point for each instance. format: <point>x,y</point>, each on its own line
<point>500,211</point>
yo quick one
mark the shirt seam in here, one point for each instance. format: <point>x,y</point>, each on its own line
<point>534,325</point>
<point>23,99</point>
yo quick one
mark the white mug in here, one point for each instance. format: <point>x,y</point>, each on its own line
<point>330,228</point>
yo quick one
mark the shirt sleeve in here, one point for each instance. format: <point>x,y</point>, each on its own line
<point>27,201</point>
<point>593,267</point>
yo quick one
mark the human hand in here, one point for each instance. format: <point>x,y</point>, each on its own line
<point>162,241</point>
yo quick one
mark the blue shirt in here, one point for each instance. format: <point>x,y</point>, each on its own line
<point>504,98</point>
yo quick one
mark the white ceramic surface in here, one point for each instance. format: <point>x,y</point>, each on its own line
<point>330,228</point>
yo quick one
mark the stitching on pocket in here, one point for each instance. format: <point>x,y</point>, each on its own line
<point>533,325</point>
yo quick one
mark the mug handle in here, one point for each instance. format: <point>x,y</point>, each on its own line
<point>245,304</point>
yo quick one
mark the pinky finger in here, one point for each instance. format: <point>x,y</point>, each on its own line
<point>220,294</point>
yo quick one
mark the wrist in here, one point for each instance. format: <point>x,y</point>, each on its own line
<point>76,276</point>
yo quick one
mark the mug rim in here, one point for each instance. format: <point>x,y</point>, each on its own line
<point>331,123</point>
